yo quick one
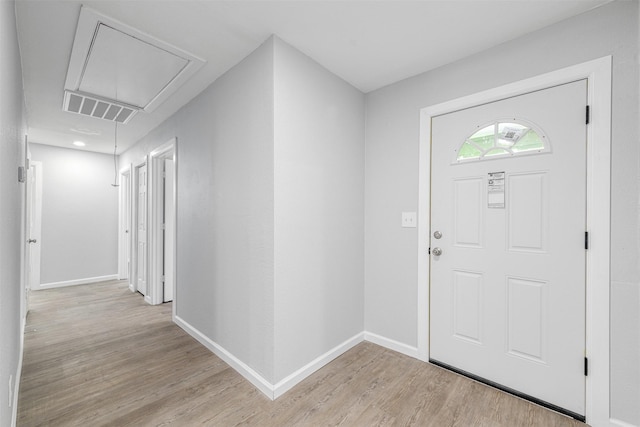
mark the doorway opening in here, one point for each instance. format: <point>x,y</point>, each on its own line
<point>162,220</point>
<point>124,229</point>
<point>598,76</point>
<point>34,224</point>
<point>139,273</point>
<point>507,285</point>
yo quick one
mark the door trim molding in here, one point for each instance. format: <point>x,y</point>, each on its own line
<point>598,75</point>
<point>156,202</point>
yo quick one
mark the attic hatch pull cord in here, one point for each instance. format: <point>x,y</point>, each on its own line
<point>115,158</point>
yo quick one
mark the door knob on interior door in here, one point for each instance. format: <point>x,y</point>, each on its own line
<point>32,241</point>
<point>437,251</point>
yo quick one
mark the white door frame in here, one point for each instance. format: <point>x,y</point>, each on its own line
<point>25,288</point>
<point>598,75</point>
<point>156,206</point>
<point>124,224</point>
<point>169,229</point>
<point>133,276</point>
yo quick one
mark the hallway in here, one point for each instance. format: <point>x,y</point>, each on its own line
<point>98,355</point>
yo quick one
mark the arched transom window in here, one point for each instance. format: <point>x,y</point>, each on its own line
<point>503,138</point>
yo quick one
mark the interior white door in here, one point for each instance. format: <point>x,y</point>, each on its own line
<point>508,286</point>
<point>141,230</point>
<point>124,260</point>
<point>127,223</point>
<point>169,227</point>
<point>34,223</point>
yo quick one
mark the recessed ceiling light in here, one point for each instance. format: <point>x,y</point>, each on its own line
<point>79,143</point>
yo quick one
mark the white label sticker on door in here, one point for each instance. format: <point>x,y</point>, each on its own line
<point>495,190</point>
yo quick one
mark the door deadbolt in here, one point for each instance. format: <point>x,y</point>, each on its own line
<point>437,234</point>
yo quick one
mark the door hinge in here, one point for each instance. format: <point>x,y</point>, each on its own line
<point>588,115</point>
<point>586,367</point>
<point>586,240</point>
<point>162,279</point>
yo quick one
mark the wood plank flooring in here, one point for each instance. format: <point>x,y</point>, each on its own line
<point>97,355</point>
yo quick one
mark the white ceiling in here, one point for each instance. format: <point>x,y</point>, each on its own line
<point>370,44</point>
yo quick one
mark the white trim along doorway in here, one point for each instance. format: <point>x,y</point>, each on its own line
<point>151,208</point>
<point>598,75</point>
<point>162,214</point>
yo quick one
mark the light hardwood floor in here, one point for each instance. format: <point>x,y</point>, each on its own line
<point>97,355</point>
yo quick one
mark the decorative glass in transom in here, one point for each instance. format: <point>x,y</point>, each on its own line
<point>502,139</point>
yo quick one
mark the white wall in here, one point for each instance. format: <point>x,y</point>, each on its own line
<point>391,177</point>
<point>12,130</point>
<point>319,207</point>
<point>270,210</point>
<point>79,215</point>
<point>225,209</point>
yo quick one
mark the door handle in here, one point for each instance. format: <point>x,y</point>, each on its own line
<point>32,241</point>
<point>437,251</point>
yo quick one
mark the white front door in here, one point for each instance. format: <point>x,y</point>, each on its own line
<point>508,222</point>
<point>141,230</point>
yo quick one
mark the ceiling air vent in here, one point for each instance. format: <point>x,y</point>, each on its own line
<point>76,102</point>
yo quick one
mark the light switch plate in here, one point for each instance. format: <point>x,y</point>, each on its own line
<point>409,220</point>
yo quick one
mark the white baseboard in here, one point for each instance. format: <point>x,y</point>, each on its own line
<point>16,390</point>
<point>243,369</point>
<point>618,423</point>
<point>274,391</point>
<point>392,344</point>
<point>291,380</point>
<point>270,390</point>
<point>75,282</point>
<point>18,376</point>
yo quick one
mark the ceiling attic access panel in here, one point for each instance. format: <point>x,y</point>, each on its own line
<point>116,63</point>
<point>126,69</point>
